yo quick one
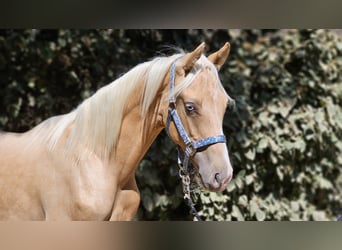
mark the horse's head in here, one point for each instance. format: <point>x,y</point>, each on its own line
<point>201,102</point>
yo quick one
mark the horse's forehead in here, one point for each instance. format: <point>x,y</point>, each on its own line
<point>206,83</point>
<point>207,79</point>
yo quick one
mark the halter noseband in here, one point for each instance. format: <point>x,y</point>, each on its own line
<point>191,146</point>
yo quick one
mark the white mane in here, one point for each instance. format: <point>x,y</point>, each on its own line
<point>96,122</point>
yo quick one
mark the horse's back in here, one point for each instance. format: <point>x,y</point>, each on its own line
<point>11,148</point>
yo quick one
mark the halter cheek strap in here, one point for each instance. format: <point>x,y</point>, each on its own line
<point>191,147</point>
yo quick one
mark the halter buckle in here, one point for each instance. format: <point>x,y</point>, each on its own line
<point>190,150</point>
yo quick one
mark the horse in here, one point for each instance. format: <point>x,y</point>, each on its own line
<point>81,165</point>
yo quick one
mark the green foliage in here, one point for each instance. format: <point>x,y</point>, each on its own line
<point>287,151</point>
<point>284,133</point>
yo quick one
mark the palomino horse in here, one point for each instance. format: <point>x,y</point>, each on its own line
<point>81,165</point>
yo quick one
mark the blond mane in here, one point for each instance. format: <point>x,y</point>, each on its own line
<point>96,122</point>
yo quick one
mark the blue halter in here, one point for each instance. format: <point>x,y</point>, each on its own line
<point>191,146</point>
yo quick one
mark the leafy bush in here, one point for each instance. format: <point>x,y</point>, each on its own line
<point>284,135</point>
<point>287,147</point>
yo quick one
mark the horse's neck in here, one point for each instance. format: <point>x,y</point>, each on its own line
<point>136,135</point>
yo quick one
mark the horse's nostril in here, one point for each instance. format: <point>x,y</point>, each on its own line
<point>218,178</point>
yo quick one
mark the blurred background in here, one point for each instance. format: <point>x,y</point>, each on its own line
<point>284,135</point>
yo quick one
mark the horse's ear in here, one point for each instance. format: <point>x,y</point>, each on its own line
<point>189,60</point>
<point>219,57</point>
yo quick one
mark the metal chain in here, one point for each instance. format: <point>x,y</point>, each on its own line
<point>186,190</point>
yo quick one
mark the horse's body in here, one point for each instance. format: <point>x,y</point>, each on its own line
<point>80,166</point>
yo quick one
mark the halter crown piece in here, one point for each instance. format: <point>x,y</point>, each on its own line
<point>191,146</point>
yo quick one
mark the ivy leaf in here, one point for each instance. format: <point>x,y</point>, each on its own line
<point>243,200</point>
<point>263,143</point>
<point>260,215</point>
<point>148,203</point>
<point>284,111</point>
<point>239,183</point>
<point>250,154</point>
<point>294,217</point>
<point>323,183</point>
<point>319,216</point>
<point>288,104</point>
<point>237,213</point>
<point>294,206</point>
<point>249,179</point>
<point>241,174</point>
<point>231,186</point>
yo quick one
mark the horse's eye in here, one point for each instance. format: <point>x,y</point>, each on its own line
<point>190,108</point>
